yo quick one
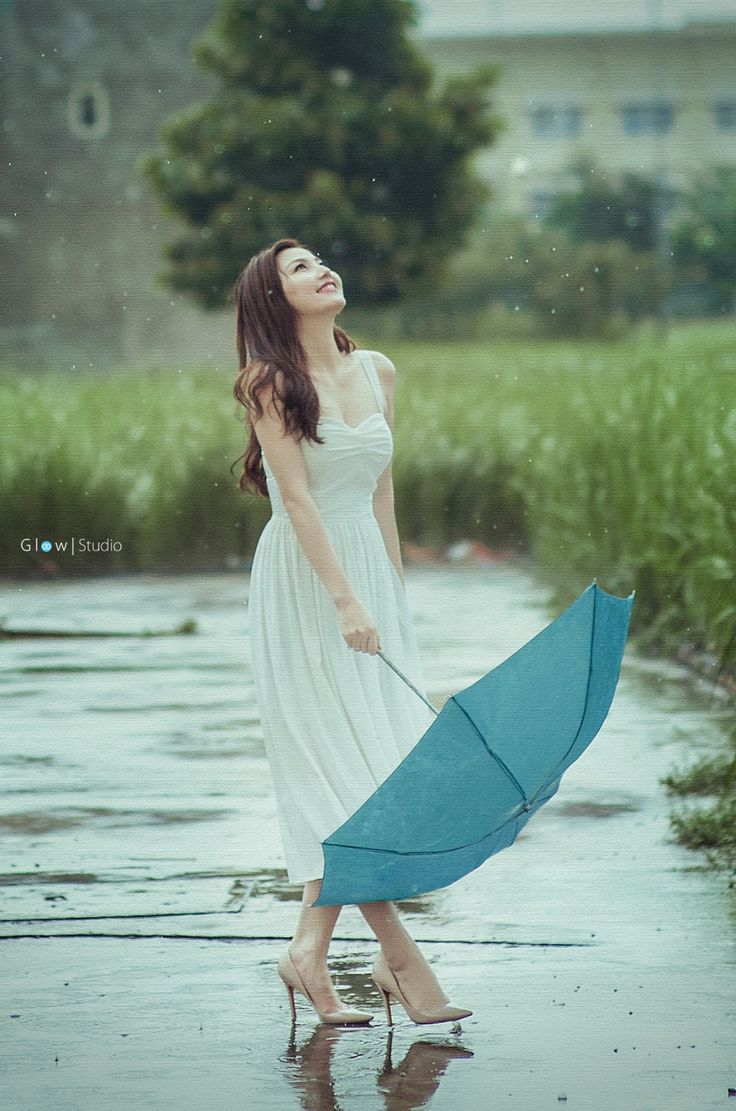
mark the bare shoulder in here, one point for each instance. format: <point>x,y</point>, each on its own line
<point>386,370</point>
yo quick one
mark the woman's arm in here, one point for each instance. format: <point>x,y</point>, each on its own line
<point>383,511</point>
<point>383,497</point>
<point>287,463</point>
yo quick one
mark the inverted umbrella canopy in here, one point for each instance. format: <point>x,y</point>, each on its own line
<point>495,753</point>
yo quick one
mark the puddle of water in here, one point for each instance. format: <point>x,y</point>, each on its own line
<point>592,809</point>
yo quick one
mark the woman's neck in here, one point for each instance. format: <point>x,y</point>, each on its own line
<point>318,340</point>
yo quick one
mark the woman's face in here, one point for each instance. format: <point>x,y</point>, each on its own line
<point>309,285</point>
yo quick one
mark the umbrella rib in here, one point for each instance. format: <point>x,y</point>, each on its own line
<point>490,752</point>
<point>587,684</point>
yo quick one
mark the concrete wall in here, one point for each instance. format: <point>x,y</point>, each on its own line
<point>81,234</point>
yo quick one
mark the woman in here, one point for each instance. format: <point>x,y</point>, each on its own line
<point>326,594</point>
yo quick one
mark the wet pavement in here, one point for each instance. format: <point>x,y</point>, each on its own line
<point>144,900</point>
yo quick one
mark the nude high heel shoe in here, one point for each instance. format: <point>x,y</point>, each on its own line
<point>385,979</point>
<point>288,973</point>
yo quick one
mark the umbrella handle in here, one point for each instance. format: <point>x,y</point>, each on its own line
<point>407,681</point>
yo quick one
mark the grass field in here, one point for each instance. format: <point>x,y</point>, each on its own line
<point>600,460</point>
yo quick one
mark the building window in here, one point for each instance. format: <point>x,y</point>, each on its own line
<point>555,121</point>
<point>725,112</point>
<point>647,117</point>
<point>88,110</point>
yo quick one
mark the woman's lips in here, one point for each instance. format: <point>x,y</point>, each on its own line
<point>327,286</point>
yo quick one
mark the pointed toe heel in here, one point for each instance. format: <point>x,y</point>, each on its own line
<point>290,976</point>
<point>385,979</point>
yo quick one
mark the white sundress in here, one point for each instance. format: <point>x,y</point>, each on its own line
<point>336,722</point>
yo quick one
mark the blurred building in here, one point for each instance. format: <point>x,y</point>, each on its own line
<point>661,102</point>
<point>86,86</point>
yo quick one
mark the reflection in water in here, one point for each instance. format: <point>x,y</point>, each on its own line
<point>406,1086</point>
<point>414,1081</point>
<point>311,1075</point>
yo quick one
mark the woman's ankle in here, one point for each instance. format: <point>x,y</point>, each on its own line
<point>309,950</point>
<point>401,955</point>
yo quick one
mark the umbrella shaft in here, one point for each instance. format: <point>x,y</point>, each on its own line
<point>408,682</point>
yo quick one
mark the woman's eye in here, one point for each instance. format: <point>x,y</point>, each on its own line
<point>319,260</point>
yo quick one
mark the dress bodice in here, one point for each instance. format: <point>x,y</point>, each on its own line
<point>342,472</point>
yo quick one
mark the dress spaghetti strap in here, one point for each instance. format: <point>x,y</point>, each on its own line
<point>367,360</point>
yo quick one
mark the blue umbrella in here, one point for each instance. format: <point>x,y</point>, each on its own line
<point>495,753</point>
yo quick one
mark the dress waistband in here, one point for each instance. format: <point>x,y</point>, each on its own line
<point>357,515</point>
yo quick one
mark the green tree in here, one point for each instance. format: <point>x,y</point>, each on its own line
<point>601,209</point>
<point>325,125</point>
<point>569,288</point>
<point>704,236</point>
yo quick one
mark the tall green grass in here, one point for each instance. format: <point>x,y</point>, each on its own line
<point>607,460</point>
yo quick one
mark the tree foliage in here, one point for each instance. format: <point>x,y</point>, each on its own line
<point>325,125</point>
<point>568,288</point>
<point>704,235</point>
<point>601,209</point>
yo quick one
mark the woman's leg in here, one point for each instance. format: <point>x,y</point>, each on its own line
<point>310,945</point>
<point>403,956</point>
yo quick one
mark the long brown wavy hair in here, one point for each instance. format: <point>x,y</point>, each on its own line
<point>267,337</point>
